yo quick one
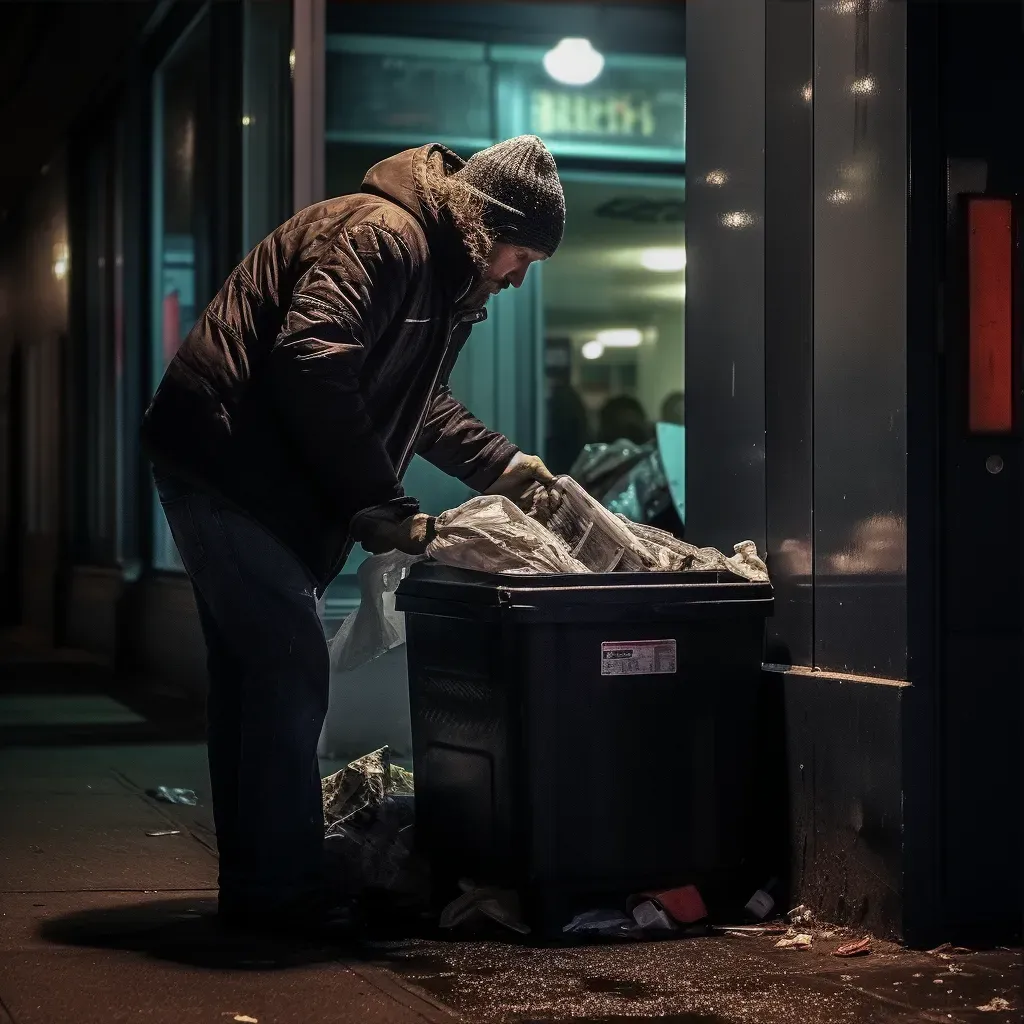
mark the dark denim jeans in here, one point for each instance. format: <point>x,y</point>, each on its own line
<point>269,672</point>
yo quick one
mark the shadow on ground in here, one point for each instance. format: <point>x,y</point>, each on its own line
<point>184,931</point>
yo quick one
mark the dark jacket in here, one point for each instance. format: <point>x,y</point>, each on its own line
<point>322,364</point>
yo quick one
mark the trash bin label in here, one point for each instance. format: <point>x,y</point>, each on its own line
<point>639,658</point>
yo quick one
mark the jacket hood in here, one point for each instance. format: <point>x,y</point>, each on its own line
<point>402,178</point>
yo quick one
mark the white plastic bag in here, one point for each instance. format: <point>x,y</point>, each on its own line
<point>374,628</point>
<point>492,534</point>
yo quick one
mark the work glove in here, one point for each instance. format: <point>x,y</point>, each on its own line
<point>410,536</point>
<point>529,483</point>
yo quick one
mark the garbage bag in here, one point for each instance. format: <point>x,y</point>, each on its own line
<point>675,555</point>
<point>492,534</point>
<point>369,836</point>
<point>599,466</point>
<point>374,628</point>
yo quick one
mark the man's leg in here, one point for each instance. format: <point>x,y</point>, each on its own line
<point>268,698</point>
<point>223,738</point>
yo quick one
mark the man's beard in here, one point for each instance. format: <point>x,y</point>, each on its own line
<point>479,292</point>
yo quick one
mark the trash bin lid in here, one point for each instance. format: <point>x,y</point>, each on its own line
<point>432,588</point>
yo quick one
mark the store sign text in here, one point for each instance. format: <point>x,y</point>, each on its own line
<point>622,115</point>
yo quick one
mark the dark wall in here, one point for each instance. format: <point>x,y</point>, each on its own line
<point>725,221</point>
<point>982,87</point>
<point>789,327</point>
<point>860,269</point>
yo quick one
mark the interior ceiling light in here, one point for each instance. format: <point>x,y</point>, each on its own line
<point>573,62</point>
<point>620,337</point>
<point>664,259</point>
<point>592,350</point>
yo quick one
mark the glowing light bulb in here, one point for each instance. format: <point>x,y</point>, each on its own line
<point>573,62</point>
<point>592,350</point>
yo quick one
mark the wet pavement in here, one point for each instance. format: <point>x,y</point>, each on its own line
<point>106,898</point>
<point>720,979</point>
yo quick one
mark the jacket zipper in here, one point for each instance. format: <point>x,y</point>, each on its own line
<point>473,316</point>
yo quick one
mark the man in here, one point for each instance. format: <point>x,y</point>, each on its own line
<point>279,436</point>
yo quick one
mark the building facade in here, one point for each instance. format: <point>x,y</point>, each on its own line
<point>767,214</point>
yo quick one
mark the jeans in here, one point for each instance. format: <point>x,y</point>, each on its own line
<point>269,671</point>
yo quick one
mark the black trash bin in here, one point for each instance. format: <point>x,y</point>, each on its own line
<point>582,737</point>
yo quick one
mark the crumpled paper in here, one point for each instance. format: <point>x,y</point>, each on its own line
<point>369,817</point>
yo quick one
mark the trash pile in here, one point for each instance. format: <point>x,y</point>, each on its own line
<point>369,829</point>
<point>492,534</point>
<point>647,915</point>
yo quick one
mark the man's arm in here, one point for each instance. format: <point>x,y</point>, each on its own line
<point>338,310</point>
<point>455,441</point>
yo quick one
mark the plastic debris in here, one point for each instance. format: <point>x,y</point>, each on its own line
<point>799,941</point>
<point>500,905</point>
<point>165,832</point>
<point>761,904</point>
<point>997,1005</point>
<point>613,924</point>
<point>649,916</point>
<point>801,915</point>
<point>242,1018</point>
<point>683,905</point>
<point>861,947</point>
<point>170,795</point>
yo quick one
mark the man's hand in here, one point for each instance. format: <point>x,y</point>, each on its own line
<point>411,536</point>
<point>529,483</point>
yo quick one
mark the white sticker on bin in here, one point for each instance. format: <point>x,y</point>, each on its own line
<point>638,658</point>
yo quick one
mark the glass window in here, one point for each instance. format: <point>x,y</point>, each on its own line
<point>180,235</point>
<point>266,119</point>
<point>613,316</point>
<point>591,348</point>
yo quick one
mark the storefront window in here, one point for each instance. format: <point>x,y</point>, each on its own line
<point>266,119</point>
<point>613,317</point>
<point>180,91</point>
<point>591,348</point>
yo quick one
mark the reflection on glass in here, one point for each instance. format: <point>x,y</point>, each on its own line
<point>613,312</point>
<point>180,86</point>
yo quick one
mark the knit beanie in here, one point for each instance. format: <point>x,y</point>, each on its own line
<point>518,180</point>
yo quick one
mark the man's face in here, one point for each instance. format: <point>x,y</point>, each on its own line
<point>506,265</point>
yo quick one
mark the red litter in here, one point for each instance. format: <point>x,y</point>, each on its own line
<point>859,948</point>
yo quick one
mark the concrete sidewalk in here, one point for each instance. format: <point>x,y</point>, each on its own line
<point>102,919</point>
<point>106,920</point>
